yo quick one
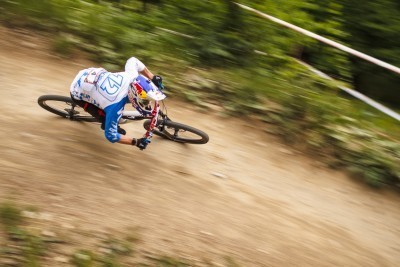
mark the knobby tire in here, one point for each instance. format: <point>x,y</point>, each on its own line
<point>176,128</point>
<point>50,102</point>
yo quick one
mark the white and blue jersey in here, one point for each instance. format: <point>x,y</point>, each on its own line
<point>108,91</point>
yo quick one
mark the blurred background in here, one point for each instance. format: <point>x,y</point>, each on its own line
<point>227,61</point>
<point>215,53</point>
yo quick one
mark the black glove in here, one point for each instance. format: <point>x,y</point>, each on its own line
<point>142,143</point>
<point>157,80</point>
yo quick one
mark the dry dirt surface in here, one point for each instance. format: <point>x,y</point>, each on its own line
<point>244,195</point>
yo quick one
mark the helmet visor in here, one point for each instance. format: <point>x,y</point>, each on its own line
<point>147,90</point>
<point>156,94</point>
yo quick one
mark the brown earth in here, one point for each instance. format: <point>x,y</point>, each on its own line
<point>244,195</point>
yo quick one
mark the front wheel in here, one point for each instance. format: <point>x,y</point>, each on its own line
<point>64,106</point>
<point>178,132</point>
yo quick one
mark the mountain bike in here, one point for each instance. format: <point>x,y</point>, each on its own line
<point>166,128</point>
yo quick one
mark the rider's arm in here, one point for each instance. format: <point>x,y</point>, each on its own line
<point>148,135</point>
<point>111,130</point>
<point>113,115</point>
<point>127,140</point>
<point>146,72</point>
<point>134,65</point>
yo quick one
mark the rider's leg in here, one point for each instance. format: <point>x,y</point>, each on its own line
<point>95,112</point>
<point>90,108</point>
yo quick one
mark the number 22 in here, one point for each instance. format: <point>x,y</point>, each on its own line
<point>112,83</point>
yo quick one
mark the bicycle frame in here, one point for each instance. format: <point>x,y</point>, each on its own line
<point>135,115</point>
<point>64,106</point>
<point>131,114</point>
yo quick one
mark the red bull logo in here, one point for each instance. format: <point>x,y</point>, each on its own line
<point>140,91</point>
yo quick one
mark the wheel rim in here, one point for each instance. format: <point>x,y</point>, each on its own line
<point>178,134</point>
<point>67,108</point>
<point>60,106</point>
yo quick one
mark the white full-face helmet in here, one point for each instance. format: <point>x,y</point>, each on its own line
<point>143,94</point>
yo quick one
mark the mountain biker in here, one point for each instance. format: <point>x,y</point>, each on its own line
<point>104,94</point>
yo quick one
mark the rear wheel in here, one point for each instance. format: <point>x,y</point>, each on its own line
<point>64,107</point>
<point>179,132</point>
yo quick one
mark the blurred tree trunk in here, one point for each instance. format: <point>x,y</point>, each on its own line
<point>374,28</point>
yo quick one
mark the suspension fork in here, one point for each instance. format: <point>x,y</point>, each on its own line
<point>164,118</point>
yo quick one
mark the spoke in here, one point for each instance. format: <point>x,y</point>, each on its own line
<point>176,133</point>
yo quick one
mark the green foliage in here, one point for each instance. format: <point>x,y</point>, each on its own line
<point>218,27</point>
<point>10,215</point>
<point>373,29</point>
<point>169,262</point>
<point>119,246</point>
<point>179,37</point>
<point>114,249</point>
<point>31,247</point>
<point>304,109</point>
<point>83,258</point>
<point>23,248</point>
<point>64,45</point>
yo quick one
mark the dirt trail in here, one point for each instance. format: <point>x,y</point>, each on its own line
<point>243,195</point>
